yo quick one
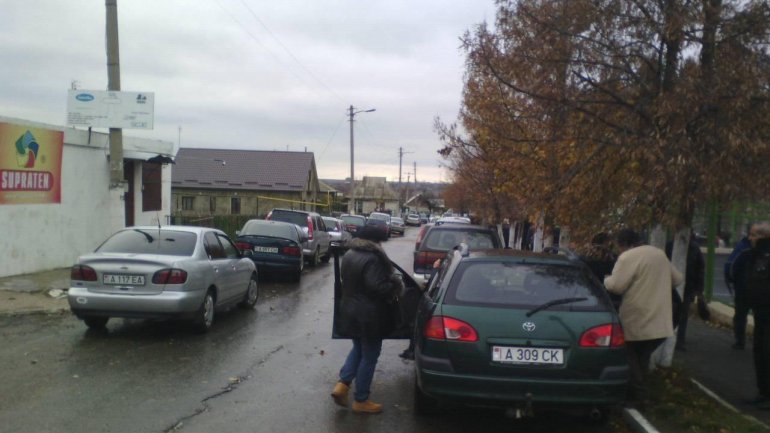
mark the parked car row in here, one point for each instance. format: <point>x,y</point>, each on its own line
<point>192,272</point>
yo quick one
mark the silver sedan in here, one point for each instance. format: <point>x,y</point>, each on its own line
<point>162,272</point>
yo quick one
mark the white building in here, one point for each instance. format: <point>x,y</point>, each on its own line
<point>50,215</point>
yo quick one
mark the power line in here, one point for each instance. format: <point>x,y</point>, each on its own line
<point>288,51</point>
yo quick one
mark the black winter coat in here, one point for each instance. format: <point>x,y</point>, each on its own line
<point>369,290</point>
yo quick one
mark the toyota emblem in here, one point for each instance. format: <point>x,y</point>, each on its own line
<point>528,326</point>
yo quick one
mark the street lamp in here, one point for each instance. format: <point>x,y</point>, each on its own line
<point>352,203</point>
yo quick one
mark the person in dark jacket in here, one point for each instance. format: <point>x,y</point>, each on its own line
<point>369,289</point>
<point>693,286</point>
<point>747,265</point>
<point>736,281</point>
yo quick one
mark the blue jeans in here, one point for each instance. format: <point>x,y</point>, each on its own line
<point>360,365</point>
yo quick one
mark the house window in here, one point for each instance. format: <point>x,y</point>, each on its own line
<point>235,205</point>
<point>151,186</point>
<point>213,204</point>
<point>188,203</point>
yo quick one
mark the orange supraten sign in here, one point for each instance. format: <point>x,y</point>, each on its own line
<point>30,164</point>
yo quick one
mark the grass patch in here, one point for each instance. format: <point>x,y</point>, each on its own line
<point>679,406</point>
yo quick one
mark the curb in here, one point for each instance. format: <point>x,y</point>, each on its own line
<point>638,422</point>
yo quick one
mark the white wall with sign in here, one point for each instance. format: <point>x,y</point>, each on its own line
<point>39,237</point>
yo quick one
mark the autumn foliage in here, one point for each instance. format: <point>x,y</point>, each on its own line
<point>616,112</point>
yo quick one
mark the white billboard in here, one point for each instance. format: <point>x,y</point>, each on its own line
<point>110,109</point>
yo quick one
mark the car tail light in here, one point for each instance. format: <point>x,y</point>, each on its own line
<point>420,235</point>
<point>291,251</point>
<point>447,328</point>
<point>608,335</point>
<point>169,276</point>
<point>82,273</point>
<point>243,246</point>
<point>309,229</point>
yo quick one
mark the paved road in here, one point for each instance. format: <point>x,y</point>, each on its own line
<point>269,370</point>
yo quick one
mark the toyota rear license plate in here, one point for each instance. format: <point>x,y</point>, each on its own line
<point>266,250</point>
<point>527,355</point>
<point>123,279</point>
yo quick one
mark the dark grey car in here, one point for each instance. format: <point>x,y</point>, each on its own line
<point>317,247</point>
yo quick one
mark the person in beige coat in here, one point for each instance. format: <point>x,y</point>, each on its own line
<point>644,277</point>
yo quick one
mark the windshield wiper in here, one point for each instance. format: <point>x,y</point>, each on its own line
<point>149,237</point>
<point>551,303</point>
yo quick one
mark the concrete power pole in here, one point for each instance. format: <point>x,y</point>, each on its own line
<point>117,180</point>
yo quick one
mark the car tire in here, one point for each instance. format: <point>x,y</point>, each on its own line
<point>96,322</point>
<point>252,294</point>
<point>316,258</point>
<point>424,405</point>
<point>204,317</point>
<point>326,257</point>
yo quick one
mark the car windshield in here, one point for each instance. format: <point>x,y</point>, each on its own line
<point>149,241</point>
<point>380,216</point>
<point>331,224</point>
<point>264,228</point>
<point>359,221</point>
<point>524,285</point>
<point>446,239</point>
<point>297,218</point>
<point>396,220</point>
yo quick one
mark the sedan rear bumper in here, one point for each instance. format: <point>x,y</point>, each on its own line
<point>437,378</point>
<point>162,305</point>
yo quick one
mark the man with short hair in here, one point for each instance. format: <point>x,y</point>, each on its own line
<point>643,277</point>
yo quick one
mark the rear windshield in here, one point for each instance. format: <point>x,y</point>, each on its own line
<point>264,228</point>
<point>444,240</point>
<point>139,241</point>
<point>299,219</point>
<point>524,285</point>
<point>353,220</point>
<point>379,216</point>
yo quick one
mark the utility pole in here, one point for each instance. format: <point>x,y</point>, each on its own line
<point>401,199</point>
<point>117,179</point>
<point>352,202</point>
<point>415,174</point>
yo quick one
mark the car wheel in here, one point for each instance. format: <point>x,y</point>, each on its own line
<point>325,258</point>
<point>205,315</point>
<point>96,322</point>
<point>424,404</point>
<point>252,294</point>
<point>316,258</point>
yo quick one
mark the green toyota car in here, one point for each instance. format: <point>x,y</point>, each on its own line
<point>519,331</point>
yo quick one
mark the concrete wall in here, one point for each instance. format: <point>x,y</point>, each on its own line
<point>38,237</point>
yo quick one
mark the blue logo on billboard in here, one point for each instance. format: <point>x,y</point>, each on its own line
<point>85,97</point>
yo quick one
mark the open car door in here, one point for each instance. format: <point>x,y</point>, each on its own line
<point>404,311</point>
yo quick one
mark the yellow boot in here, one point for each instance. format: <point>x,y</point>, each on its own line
<point>340,394</point>
<point>367,407</point>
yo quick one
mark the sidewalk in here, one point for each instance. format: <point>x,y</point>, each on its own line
<point>709,358</point>
<point>41,292</point>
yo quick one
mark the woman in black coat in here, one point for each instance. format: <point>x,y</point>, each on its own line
<point>369,289</point>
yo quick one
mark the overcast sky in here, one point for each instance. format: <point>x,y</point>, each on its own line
<point>257,74</point>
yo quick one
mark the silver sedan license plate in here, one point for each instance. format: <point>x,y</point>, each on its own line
<point>123,279</point>
<point>527,355</point>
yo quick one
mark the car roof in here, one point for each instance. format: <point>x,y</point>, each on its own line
<point>520,256</point>
<point>191,229</point>
<point>294,210</point>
